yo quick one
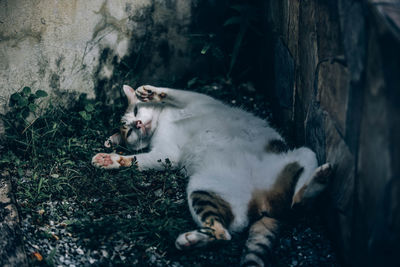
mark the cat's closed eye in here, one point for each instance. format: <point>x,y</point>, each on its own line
<point>129,132</point>
<point>135,110</point>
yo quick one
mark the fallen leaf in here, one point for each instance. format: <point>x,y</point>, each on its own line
<point>55,237</point>
<point>38,256</point>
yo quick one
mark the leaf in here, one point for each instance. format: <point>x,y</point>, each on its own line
<point>15,96</point>
<point>89,107</point>
<point>85,115</point>
<point>37,256</point>
<point>240,8</point>
<point>205,49</point>
<point>40,185</point>
<point>25,113</point>
<point>32,107</point>
<point>22,102</point>
<point>233,20</point>
<point>41,93</point>
<point>19,116</point>
<point>20,172</point>
<point>26,90</point>
<point>236,48</point>
<point>247,12</point>
<point>69,162</point>
<point>192,82</point>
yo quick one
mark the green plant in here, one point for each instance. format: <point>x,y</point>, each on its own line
<point>235,48</point>
<point>24,102</point>
<point>86,114</point>
<point>50,162</point>
<point>247,18</point>
<point>55,183</point>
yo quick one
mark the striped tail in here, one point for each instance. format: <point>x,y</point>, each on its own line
<point>258,248</point>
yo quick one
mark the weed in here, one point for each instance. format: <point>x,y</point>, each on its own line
<point>24,102</point>
<point>73,212</point>
<point>55,183</point>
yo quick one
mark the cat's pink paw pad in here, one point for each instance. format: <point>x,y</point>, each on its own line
<point>110,161</point>
<point>102,160</point>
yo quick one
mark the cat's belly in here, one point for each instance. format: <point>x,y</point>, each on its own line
<point>235,181</point>
<point>237,175</point>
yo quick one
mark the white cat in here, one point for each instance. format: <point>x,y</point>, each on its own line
<point>240,171</point>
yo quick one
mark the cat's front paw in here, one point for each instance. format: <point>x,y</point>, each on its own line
<point>148,93</point>
<point>110,161</point>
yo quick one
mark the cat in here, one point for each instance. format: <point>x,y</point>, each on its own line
<point>242,175</point>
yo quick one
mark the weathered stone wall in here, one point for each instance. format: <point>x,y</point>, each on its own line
<point>92,46</point>
<point>340,94</point>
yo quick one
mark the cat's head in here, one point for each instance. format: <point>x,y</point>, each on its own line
<point>139,121</point>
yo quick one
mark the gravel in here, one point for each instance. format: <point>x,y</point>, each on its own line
<point>54,241</point>
<point>304,243</point>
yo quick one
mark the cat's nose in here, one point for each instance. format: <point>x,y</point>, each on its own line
<point>138,124</point>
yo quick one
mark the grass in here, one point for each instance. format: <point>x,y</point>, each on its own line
<point>116,218</point>
<point>49,160</point>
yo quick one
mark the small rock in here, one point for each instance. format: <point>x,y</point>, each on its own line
<point>104,253</point>
<point>158,193</point>
<point>153,259</point>
<point>79,251</point>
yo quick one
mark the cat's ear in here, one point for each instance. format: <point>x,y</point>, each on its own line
<point>130,94</point>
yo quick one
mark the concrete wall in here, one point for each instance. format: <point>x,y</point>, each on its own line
<point>91,46</point>
<point>341,67</point>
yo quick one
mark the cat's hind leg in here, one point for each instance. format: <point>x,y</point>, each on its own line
<point>214,215</point>
<point>258,247</point>
<point>264,210</point>
<point>314,186</point>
